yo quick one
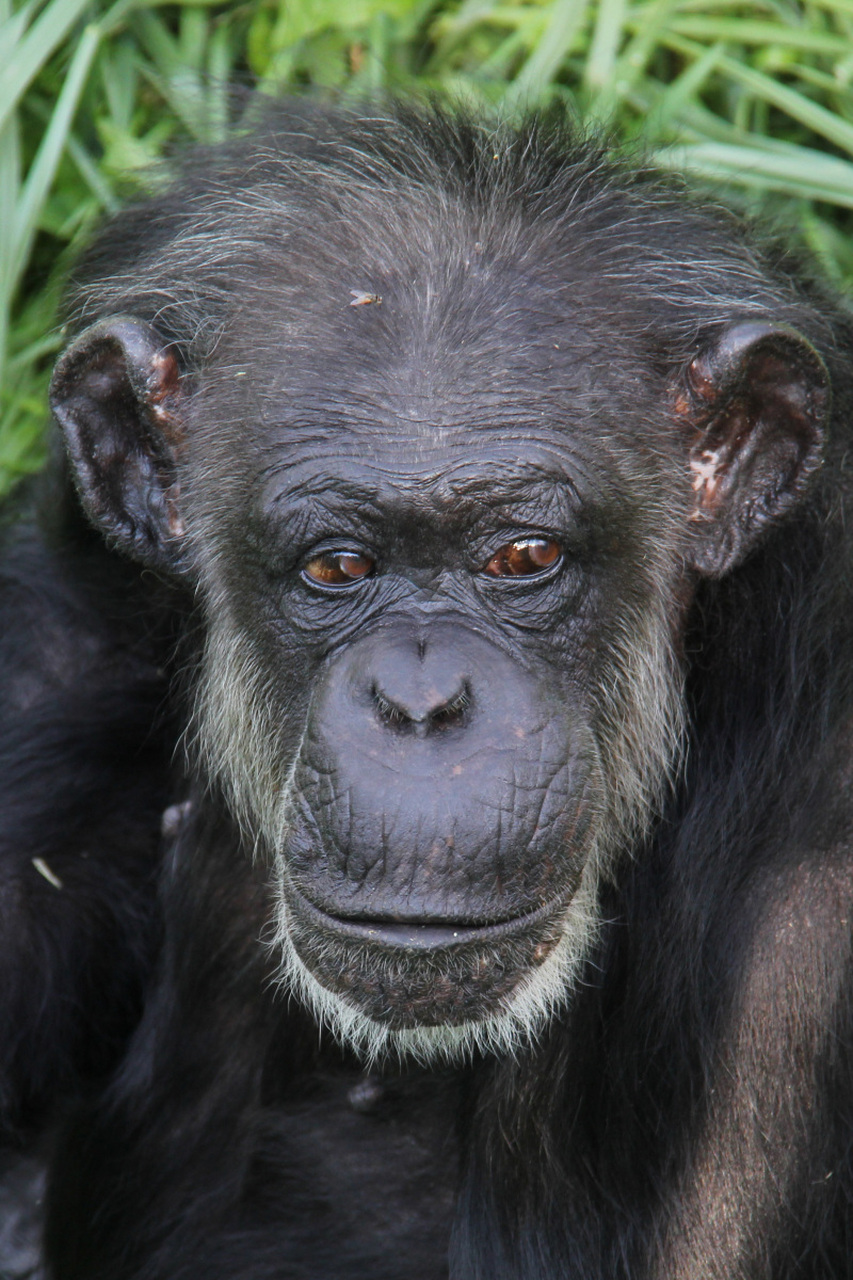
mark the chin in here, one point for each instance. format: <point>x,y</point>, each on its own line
<point>435,994</point>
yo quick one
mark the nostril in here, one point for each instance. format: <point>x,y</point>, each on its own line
<point>451,714</point>
<point>390,713</point>
<point>423,712</point>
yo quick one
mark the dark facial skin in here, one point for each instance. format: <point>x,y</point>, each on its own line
<point>446,782</point>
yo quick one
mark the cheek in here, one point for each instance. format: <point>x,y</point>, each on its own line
<point>247,723</point>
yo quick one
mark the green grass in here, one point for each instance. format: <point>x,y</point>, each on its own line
<point>756,98</point>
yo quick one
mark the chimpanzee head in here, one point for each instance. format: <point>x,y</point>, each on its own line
<point>442,425</point>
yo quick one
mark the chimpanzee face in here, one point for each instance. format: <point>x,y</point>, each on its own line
<point>412,623</point>
<point>443,547</point>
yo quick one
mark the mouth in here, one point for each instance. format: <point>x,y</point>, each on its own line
<point>404,974</point>
<point>422,938</point>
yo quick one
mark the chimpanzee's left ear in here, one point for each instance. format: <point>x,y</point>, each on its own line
<point>757,401</point>
<point>116,395</point>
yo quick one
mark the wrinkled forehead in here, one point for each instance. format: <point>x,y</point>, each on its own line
<point>428,479</point>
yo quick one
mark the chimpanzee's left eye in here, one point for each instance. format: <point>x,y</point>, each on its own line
<point>338,568</point>
<point>524,558</point>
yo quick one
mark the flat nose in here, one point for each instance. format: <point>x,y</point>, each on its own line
<point>421,692</point>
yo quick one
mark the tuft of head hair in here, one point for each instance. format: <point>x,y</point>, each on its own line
<point>413,178</point>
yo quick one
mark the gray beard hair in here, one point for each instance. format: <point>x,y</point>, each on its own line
<point>524,1014</point>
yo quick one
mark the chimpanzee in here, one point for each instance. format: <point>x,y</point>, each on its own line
<point>449,585</point>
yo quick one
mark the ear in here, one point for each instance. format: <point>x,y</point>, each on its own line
<point>116,395</point>
<point>757,402</point>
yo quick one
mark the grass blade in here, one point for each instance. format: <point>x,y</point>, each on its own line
<point>564,23</point>
<point>34,49</point>
<point>47,158</point>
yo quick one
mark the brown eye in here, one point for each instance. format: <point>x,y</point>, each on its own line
<point>338,568</point>
<point>524,558</point>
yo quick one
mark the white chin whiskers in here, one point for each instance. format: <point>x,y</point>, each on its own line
<point>516,1024</point>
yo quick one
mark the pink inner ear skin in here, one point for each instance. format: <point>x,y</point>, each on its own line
<point>706,480</point>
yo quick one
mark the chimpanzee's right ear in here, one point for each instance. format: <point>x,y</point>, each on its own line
<point>116,394</point>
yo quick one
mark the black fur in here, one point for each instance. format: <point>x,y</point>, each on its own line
<point>84,760</point>
<point>687,1112</point>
